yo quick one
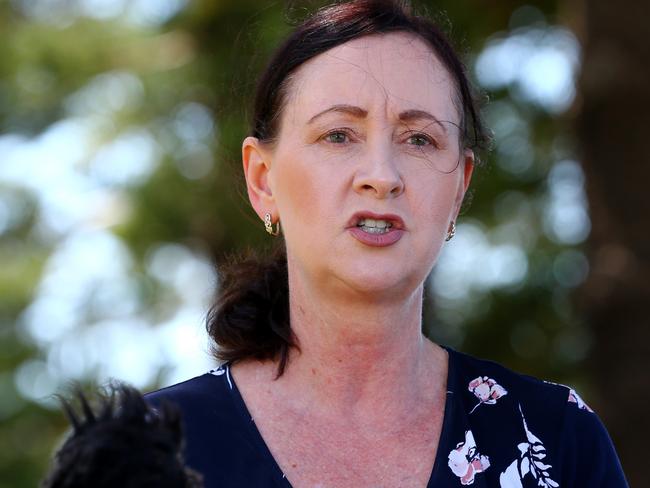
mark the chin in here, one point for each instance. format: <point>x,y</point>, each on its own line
<point>379,282</point>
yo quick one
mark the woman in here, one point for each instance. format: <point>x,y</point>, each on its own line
<point>363,148</point>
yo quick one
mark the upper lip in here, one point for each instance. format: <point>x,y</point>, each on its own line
<point>395,220</point>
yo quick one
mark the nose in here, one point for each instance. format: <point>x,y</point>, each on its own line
<point>379,176</point>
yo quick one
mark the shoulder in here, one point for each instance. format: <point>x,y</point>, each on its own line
<point>535,417</point>
<point>197,397</point>
<point>588,454</point>
<point>216,429</point>
<point>550,404</point>
<point>482,376</point>
<point>499,403</point>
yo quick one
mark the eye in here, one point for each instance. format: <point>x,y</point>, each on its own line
<point>337,136</point>
<point>420,140</point>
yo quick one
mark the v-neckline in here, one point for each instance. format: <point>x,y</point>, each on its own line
<point>278,474</point>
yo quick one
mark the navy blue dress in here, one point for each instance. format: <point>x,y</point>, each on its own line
<point>500,429</point>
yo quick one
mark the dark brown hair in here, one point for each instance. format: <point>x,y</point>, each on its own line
<point>250,318</point>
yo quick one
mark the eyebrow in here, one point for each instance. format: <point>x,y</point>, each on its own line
<point>342,108</point>
<point>359,113</point>
<point>412,115</point>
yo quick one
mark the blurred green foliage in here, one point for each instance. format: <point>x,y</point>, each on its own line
<point>205,57</point>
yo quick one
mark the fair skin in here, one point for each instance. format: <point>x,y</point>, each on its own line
<point>362,402</point>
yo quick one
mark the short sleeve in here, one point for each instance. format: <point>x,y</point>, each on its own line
<point>587,452</point>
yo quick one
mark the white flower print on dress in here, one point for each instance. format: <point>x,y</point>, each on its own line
<point>530,462</point>
<point>486,390</point>
<point>217,371</point>
<point>465,462</point>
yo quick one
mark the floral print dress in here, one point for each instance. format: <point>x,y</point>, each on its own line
<point>500,429</point>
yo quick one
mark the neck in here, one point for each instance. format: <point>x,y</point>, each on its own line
<point>359,357</point>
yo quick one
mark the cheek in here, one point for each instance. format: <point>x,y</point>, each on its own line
<point>433,198</point>
<point>299,194</point>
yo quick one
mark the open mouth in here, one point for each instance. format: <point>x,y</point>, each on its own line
<point>375,229</point>
<point>373,226</point>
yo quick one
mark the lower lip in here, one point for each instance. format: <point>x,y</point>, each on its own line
<point>377,240</point>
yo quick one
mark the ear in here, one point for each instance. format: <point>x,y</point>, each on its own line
<point>466,170</point>
<point>257,166</point>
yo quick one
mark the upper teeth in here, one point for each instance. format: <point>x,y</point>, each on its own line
<point>381,224</point>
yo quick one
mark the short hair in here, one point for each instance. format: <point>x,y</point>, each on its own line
<point>124,443</point>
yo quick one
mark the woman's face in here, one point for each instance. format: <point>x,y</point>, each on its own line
<point>367,171</point>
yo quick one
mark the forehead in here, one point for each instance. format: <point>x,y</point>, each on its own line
<point>383,74</point>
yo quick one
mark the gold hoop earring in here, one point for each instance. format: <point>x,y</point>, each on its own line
<point>268,225</point>
<point>451,232</point>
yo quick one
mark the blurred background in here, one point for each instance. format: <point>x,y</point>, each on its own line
<point>120,131</point>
